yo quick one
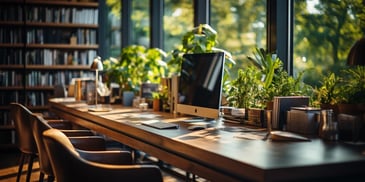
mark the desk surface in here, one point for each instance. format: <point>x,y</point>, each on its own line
<point>215,154</point>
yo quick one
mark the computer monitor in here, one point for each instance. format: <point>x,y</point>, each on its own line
<point>200,85</point>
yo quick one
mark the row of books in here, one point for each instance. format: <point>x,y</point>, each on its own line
<point>11,35</point>
<point>10,56</point>
<point>37,98</point>
<point>7,97</point>
<point>59,57</point>
<point>11,78</point>
<point>11,13</point>
<point>86,36</point>
<point>5,118</point>
<point>57,36</point>
<point>63,15</point>
<point>39,78</point>
<point>47,36</point>
<point>50,14</point>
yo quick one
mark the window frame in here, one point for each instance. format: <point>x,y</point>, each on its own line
<point>279,26</point>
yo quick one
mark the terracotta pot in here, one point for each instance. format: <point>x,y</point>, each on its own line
<point>270,105</point>
<point>156,105</point>
<point>353,109</point>
<point>334,108</point>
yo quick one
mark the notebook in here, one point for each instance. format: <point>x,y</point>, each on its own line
<point>283,135</point>
<point>160,124</point>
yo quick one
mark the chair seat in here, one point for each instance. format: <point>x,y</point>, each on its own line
<point>70,164</point>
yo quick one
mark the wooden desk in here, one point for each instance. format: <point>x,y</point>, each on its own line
<point>218,155</point>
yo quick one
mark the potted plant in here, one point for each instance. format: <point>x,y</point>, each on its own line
<point>135,66</point>
<point>327,95</point>
<point>352,90</point>
<point>201,39</point>
<point>275,80</point>
<point>244,90</point>
<point>258,84</point>
<point>268,64</point>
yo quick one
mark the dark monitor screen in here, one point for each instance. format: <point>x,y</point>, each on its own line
<point>200,84</point>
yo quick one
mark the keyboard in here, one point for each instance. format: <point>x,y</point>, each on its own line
<point>160,124</point>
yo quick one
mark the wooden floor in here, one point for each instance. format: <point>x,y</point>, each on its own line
<point>9,168</point>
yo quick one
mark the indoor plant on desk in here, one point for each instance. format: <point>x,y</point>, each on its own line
<point>275,80</point>
<point>257,85</point>
<point>201,39</point>
<point>352,90</point>
<point>135,66</point>
<point>326,96</point>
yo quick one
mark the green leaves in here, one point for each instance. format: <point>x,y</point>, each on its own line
<point>258,84</point>
<point>137,65</point>
<point>245,89</point>
<point>200,40</point>
<point>353,85</point>
<point>347,87</point>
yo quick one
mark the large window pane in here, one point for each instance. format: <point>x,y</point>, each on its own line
<point>113,37</point>
<point>140,22</point>
<point>241,26</point>
<point>324,32</point>
<point>178,19</point>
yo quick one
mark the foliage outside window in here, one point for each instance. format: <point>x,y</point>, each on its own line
<point>178,19</point>
<point>141,23</point>
<point>324,32</point>
<point>241,26</point>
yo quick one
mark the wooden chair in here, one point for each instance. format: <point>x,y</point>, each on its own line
<point>80,138</point>
<point>25,141</point>
<point>71,164</point>
<point>27,145</point>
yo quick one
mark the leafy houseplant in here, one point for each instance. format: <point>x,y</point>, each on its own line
<point>353,85</point>
<point>327,95</point>
<point>352,90</point>
<point>201,39</point>
<point>258,84</point>
<point>135,66</point>
<point>244,90</point>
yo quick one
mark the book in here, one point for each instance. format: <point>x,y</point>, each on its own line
<point>282,104</point>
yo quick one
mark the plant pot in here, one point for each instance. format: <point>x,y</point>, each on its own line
<point>334,108</point>
<point>128,98</point>
<point>352,109</point>
<point>156,105</point>
<point>256,117</point>
<point>269,105</point>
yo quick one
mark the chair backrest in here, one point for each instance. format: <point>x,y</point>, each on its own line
<point>25,140</point>
<point>69,166</point>
<point>39,125</point>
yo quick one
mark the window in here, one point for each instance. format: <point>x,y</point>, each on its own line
<point>241,26</point>
<point>113,37</point>
<point>140,22</point>
<point>178,19</point>
<point>324,32</point>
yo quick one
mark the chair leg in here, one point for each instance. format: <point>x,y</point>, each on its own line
<point>30,166</point>
<point>20,167</point>
<point>50,179</point>
<point>41,177</point>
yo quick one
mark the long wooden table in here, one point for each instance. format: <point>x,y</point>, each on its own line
<point>218,155</point>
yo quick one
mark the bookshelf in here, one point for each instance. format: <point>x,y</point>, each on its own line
<point>43,43</point>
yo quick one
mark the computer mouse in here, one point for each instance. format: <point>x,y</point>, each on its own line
<point>196,127</point>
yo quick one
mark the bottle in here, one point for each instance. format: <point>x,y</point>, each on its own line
<point>329,127</point>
